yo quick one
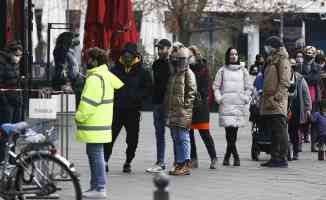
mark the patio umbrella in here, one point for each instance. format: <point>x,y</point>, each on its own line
<point>96,33</point>
<point>122,25</point>
<point>110,24</point>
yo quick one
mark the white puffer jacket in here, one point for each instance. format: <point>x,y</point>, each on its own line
<point>232,91</point>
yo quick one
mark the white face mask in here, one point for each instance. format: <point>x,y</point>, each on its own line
<point>268,49</point>
<point>192,60</point>
<point>15,59</point>
<point>299,60</point>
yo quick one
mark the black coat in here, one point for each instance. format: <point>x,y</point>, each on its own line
<point>161,73</point>
<point>311,73</point>
<point>201,108</point>
<point>137,86</point>
<point>9,73</point>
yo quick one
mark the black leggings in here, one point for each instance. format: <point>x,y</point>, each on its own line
<point>231,139</point>
<point>208,141</point>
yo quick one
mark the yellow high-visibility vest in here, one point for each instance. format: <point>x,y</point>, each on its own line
<point>95,111</point>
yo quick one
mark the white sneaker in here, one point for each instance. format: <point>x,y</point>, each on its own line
<point>156,168</point>
<point>94,194</point>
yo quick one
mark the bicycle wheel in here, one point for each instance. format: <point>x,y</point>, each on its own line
<point>44,176</point>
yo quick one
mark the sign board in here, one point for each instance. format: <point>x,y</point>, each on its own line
<point>42,108</point>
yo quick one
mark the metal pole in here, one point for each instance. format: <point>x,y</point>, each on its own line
<point>161,182</point>
<point>282,23</point>
<point>48,51</point>
<point>67,125</point>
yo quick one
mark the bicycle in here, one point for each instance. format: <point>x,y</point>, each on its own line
<point>38,171</point>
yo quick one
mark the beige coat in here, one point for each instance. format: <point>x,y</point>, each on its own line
<point>276,82</point>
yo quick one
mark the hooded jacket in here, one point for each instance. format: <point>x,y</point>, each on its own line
<point>137,85</point>
<point>276,82</point>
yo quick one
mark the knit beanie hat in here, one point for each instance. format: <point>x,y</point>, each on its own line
<point>275,42</point>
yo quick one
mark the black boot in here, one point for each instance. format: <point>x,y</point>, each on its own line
<point>236,161</point>
<point>226,161</point>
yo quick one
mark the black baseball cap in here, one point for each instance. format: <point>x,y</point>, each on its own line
<point>163,43</point>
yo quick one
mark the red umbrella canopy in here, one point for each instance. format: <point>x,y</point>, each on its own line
<point>110,24</point>
<point>122,25</point>
<point>95,31</point>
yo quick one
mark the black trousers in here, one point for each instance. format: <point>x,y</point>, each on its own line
<point>130,121</point>
<point>208,141</point>
<point>10,112</point>
<point>231,134</point>
<point>294,135</point>
<point>279,134</point>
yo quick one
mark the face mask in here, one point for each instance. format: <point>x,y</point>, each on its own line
<point>268,50</point>
<point>128,58</point>
<point>299,60</point>
<point>178,62</point>
<point>15,59</point>
<point>192,60</point>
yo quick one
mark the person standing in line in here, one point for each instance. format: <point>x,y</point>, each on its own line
<point>10,79</point>
<point>311,72</point>
<point>274,101</point>
<point>299,108</point>
<point>178,102</point>
<point>232,90</point>
<point>161,72</point>
<point>128,102</point>
<point>94,118</point>
<point>200,117</point>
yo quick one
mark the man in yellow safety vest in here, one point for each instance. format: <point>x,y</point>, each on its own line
<point>94,117</point>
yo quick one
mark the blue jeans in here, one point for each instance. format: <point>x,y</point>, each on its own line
<point>181,141</point>
<point>95,155</point>
<point>159,124</point>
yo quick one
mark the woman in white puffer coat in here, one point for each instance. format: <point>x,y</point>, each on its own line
<point>232,91</point>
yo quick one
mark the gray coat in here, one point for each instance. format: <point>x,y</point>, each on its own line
<point>304,97</point>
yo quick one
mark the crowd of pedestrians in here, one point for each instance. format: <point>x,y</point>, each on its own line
<point>290,89</point>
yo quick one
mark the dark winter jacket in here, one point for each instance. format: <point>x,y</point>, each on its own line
<point>179,98</point>
<point>311,73</point>
<point>161,72</point>
<point>9,73</point>
<point>66,67</point>
<point>201,107</point>
<point>137,85</point>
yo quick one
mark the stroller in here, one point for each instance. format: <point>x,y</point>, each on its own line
<point>261,137</point>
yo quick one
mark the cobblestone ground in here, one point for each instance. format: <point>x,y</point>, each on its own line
<point>304,179</point>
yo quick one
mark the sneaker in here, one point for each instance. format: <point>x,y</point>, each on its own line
<point>181,170</point>
<point>213,164</point>
<point>95,194</point>
<point>266,164</point>
<point>156,168</point>
<point>126,168</point>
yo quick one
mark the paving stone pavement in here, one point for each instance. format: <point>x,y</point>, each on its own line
<point>302,180</point>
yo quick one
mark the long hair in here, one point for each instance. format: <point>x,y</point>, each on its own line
<point>195,50</point>
<point>227,56</point>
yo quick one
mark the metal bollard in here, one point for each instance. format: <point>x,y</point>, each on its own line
<point>161,182</point>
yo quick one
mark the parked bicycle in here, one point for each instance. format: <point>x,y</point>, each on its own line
<point>37,171</point>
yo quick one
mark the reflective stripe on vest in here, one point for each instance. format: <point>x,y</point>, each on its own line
<point>94,103</point>
<point>94,128</point>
